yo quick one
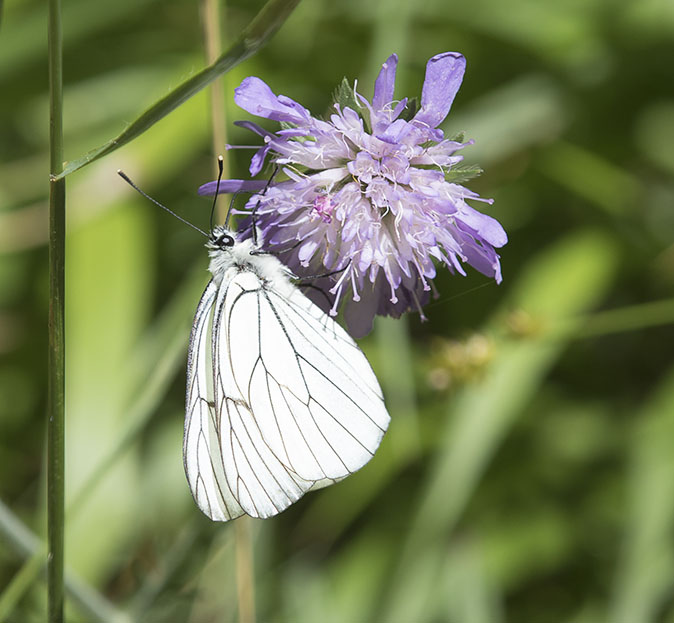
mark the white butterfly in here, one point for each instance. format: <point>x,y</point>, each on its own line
<point>280,399</point>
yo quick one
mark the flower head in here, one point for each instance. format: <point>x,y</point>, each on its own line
<point>370,192</point>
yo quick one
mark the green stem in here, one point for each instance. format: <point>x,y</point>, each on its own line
<point>56,390</point>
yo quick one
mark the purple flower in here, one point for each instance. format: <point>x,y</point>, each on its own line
<point>372,191</point>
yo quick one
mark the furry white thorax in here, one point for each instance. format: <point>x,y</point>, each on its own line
<point>238,258</point>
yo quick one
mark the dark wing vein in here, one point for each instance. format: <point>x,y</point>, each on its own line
<point>298,356</point>
<point>303,358</point>
<point>327,343</point>
<point>319,430</point>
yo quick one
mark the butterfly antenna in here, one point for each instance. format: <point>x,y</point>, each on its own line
<point>264,190</point>
<point>125,177</point>
<point>221,166</point>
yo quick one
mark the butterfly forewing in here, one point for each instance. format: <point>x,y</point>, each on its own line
<point>201,446</point>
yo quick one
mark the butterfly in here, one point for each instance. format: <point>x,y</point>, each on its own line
<point>280,399</point>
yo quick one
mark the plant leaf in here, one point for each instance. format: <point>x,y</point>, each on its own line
<point>410,110</point>
<point>462,173</point>
<point>258,32</point>
<point>345,95</point>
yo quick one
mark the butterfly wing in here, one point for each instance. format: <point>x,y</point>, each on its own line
<point>335,396</point>
<point>201,443</point>
<point>295,404</point>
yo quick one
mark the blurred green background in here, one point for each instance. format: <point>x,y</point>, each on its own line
<point>528,472</point>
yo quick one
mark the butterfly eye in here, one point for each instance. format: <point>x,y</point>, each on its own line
<point>224,240</point>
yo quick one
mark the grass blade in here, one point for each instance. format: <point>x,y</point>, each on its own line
<point>482,415</point>
<point>643,581</point>
<point>259,31</point>
<point>26,544</point>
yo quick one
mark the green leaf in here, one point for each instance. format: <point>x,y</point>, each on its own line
<point>410,110</point>
<point>258,32</point>
<point>345,95</point>
<point>462,173</point>
<point>459,137</point>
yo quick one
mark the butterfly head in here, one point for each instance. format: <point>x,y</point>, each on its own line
<point>221,238</point>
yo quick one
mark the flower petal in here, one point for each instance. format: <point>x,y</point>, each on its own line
<point>359,315</point>
<point>257,161</point>
<point>385,83</point>
<point>232,186</point>
<point>253,127</point>
<point>306,251</point>
<point>444,74</point>
<point>488,228</point>
<point>258,99</point>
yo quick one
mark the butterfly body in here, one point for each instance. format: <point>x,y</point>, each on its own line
<point>280,399</point>
<point>228,253</point>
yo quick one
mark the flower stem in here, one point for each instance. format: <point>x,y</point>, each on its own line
<point>56,390</point>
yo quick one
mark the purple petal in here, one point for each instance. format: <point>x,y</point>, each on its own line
<point>232,186</point>
<point>444,74</point>
<point>306,251</point>
<point>359,316</point>
<point>254,96</point>
<point>488,229</point>
<point>487,262</point>
<point>385,83</point>
<point>400,106</point>
<point>253,127</point>
<point>257,161</point>
<point>394,131</point>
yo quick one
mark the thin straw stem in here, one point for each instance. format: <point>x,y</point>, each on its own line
<point>56,389</point>
<point>210,11</point>
<point>210,15</point>
<point>245,572</point>
<point>211,26</point>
